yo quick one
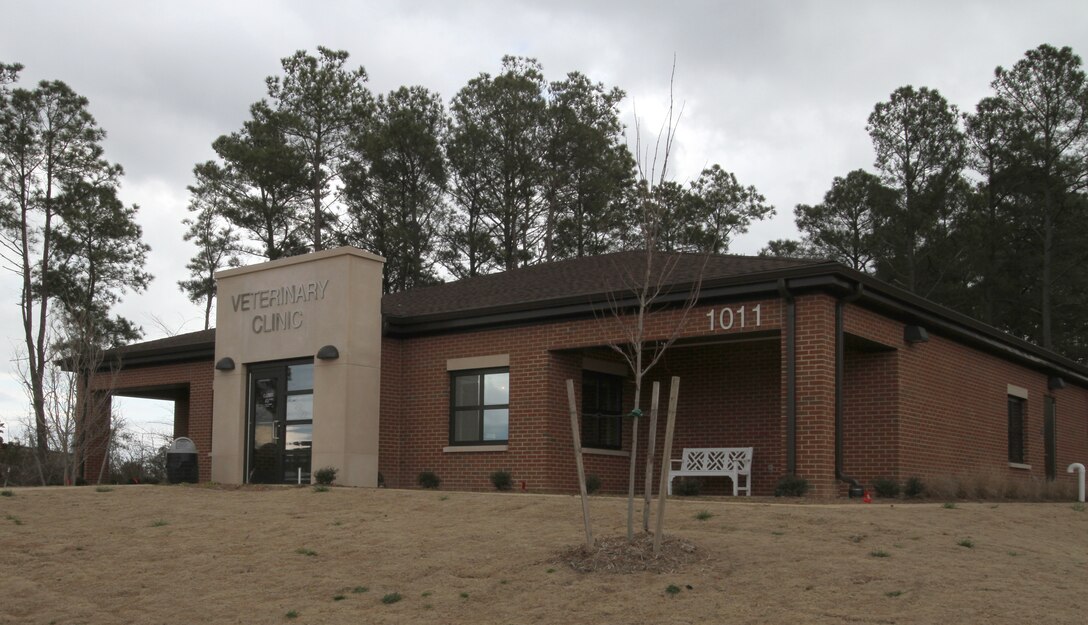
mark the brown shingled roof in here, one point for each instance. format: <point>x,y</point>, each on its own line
<point>587,278</point>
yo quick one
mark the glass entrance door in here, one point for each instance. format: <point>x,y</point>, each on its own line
<point>280,423</point>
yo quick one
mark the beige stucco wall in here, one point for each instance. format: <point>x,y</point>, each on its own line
<point>257,321</point>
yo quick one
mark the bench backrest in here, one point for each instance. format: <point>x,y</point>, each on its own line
<point>717,460</point>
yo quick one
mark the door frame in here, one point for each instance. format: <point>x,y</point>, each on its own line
<point>278,370</point>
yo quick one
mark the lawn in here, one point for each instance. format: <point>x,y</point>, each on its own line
<point>189,554</point>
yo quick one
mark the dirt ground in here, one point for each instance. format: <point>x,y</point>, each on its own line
<point>193,554</point>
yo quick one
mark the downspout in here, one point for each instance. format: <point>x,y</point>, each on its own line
<point>856,489</point>
<point>791,378</point>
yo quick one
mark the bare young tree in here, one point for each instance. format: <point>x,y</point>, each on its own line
<point>644,286</point>
<point>74,430</point>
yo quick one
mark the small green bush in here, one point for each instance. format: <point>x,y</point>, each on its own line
<point>703,515</point>
<point>914,487</point>
<point>325,475</point>
<point>886,488</point>
<point>879,553</point>
<point>392,597</point>
<point>501,480</point>
<point>791,486</point>
<point>593,484</point>
<point>6,493</point>
<point>292,614</point>
<point>103,489</point>
<point>321,488</point>
<point>687,487</point>
<point>966,542</point>
<point>429,479</point>
<point>672,589</point>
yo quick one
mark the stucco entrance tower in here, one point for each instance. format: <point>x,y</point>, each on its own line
<point>298,369</point>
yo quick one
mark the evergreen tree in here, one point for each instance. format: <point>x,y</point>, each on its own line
<point>217,244</point>
<point>259,186</point>
<point>499,131</point>
<point>320,101</point>
<point>588,170</point>
<point>396,185</point>
<point>844,226</point>
<point>1045,99</point>
<point>919,153</point>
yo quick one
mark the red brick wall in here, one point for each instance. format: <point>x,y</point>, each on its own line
<point>952,414</point>
<point>718,402</point>
<point>930,410</point>
<point>870,420</point>
<point>815,345</point>
<point>197,375</point>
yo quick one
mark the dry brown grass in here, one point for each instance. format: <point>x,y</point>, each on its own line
<point>222,556</point>
<point>996,485</point>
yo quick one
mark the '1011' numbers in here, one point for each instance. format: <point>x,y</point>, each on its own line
<point>729,318</point>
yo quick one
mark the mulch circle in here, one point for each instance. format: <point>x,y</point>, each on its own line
<point>613,554</point>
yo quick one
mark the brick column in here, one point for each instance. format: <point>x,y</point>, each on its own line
<point>815,346</point>
<point>94,434</point>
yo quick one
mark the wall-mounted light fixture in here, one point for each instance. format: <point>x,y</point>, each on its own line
<point>225,364</point>
<point>328,352</point>
<point>1055,382</point>
<point>915,334</point>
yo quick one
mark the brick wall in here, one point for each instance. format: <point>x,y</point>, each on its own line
<point>931,409</point>
<point>194,405</point>
<point>951,409</point>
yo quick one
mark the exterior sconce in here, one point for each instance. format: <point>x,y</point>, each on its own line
<point>225,364</point>
<point>328,352</point>
<point>1055,382</point>
<point>915,334</point>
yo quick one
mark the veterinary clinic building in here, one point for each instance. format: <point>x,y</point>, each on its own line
<point>823,371</point>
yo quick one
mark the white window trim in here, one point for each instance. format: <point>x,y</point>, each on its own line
<point>606,452</point>
<point>478,362</point>
<point>461,449</point>
<point>1019,465</point>
<point>1016,391</point>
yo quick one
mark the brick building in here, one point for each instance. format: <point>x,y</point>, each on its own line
<point>824,371</point>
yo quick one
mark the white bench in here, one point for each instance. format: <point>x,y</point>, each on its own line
<point>731,462</point>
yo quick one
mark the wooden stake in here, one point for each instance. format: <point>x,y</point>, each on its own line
<point>576,436</point>
<point>666,462</point>
<point>648,495</point>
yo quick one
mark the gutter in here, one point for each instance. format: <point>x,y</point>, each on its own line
<point>791,377</point>
<point>856,488</point>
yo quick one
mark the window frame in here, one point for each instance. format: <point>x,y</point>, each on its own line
<point>1017,442</point>
<point>598,377</point>
<point>481,406</point>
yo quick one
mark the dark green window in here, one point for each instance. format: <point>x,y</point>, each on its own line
<point>480,407</point>
<point>602,410</point>
<point>1016,429</point>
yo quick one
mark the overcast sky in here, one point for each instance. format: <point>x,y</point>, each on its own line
<point>776,92</point>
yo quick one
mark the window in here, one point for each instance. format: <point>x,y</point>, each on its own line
<point>1016,429</point>
<point>479,407</point>
<point>602,410</point>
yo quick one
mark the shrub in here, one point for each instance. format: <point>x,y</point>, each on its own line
<point>593,484</point>
<point>501,480</point>
<point>879,553</point>
<point>392,597</point>
<point>321,488</point>
<point>6,493</point>
<point>688,487</point>
<point>429,479</point>
<point>791,486</point>
<point>703,515</point>
<point>914,487</point>
<point>325,476</point>
<point>886,488</point>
